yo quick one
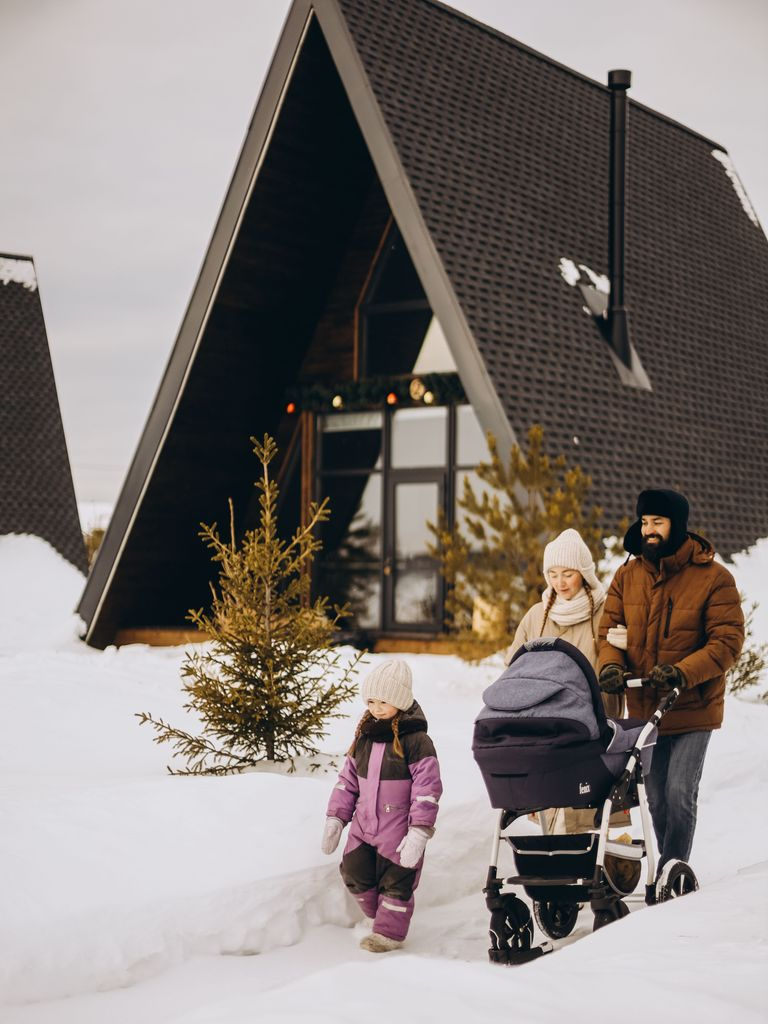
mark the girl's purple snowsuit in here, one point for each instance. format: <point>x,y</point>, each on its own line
<point>383,794</point>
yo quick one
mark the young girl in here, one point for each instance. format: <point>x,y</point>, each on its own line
<point>388,788</point>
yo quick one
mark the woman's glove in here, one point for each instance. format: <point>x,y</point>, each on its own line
<point>331,834</point>
<point>411,848</point>
<point>665,677</point>
<point>617,637</point>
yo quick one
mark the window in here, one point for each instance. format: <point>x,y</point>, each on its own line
<point>388,473</point>
<point>419,437</point>
<point>350,461</point>
<point>395,315</point>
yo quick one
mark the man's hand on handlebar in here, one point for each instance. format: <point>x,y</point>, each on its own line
<point>666,677</point>
<point>612,679</point>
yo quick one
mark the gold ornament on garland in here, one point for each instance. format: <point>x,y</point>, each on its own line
<point>417,389</point>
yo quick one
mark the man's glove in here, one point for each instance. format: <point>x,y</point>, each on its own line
<point>612,679</point>
<point>665,677</point>
<point>331,834</point>
<point>411,848</point>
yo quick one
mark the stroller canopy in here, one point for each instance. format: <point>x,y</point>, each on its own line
<point>552,686</point>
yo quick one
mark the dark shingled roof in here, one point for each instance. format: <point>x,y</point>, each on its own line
<point>507,154</point>
<point>36,491</point>
<point>493,160</point>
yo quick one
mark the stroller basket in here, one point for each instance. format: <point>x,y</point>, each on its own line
<point>543,861</point>
<point>558,856</point>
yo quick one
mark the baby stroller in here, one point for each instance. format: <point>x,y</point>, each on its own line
<point>542,740</point>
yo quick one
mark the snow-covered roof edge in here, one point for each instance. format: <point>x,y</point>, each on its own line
<point>741,192</point>
<point>18,270</point>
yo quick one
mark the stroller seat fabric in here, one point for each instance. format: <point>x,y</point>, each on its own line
<point>542,738</point>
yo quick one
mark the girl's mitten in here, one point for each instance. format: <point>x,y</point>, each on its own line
<point>411,848</point>
<point>331,834</point>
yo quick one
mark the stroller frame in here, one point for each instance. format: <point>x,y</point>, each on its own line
<point>579,879</point>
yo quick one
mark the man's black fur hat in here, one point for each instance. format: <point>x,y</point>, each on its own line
<point>659,502</point>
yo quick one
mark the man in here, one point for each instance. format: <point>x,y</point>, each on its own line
<point>684,628</point>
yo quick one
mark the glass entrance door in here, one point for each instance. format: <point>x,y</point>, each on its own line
<point>412,580</point>
<point>387,473</point>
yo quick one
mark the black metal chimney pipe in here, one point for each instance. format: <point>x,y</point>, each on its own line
<point>618,315</point>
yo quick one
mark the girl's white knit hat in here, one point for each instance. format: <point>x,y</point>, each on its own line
<point>390,682</point>
<point>568,551</point>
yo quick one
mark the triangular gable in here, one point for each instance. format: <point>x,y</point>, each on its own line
<point>297,48</point>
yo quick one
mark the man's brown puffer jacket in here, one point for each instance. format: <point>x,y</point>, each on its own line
<point>687,613</point>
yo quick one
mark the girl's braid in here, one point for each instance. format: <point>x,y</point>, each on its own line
<point>366,718</point>
<point>396,744</point>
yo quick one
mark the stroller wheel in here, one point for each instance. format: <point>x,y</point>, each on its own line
<point>511,926</point>
<point>677,879</point>
<point>555,919</point>
<point>608,915</point>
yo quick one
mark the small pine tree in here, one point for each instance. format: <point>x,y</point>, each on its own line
<point>492,559</point>
<point>750,668</point>
<point>93,540</point>
<point>260,688</point>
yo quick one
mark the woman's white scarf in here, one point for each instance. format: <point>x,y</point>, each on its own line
<point>578,609</point>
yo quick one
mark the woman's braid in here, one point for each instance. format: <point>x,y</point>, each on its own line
<point>550,602</point>
<point>591,612</point>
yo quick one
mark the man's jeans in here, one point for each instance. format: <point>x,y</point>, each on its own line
<point>672,787</point>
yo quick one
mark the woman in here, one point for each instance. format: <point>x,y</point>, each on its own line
<point>570,608</point>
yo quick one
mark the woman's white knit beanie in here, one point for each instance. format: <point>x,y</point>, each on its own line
<point>391,682</point>
<point>568,551</point>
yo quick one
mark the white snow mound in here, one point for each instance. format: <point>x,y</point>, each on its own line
<point>39,593</point>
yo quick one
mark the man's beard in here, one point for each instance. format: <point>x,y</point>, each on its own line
<point>655,550</point>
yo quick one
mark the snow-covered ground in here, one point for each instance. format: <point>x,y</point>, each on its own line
<point>131,895</point>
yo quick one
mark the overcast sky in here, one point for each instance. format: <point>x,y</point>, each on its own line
<point>121,122</point>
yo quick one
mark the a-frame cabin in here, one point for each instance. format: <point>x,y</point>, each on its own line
<point>421,211</point>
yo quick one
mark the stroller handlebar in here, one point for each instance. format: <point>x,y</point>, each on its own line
<point>637,681</point>
<point>667,700</point>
